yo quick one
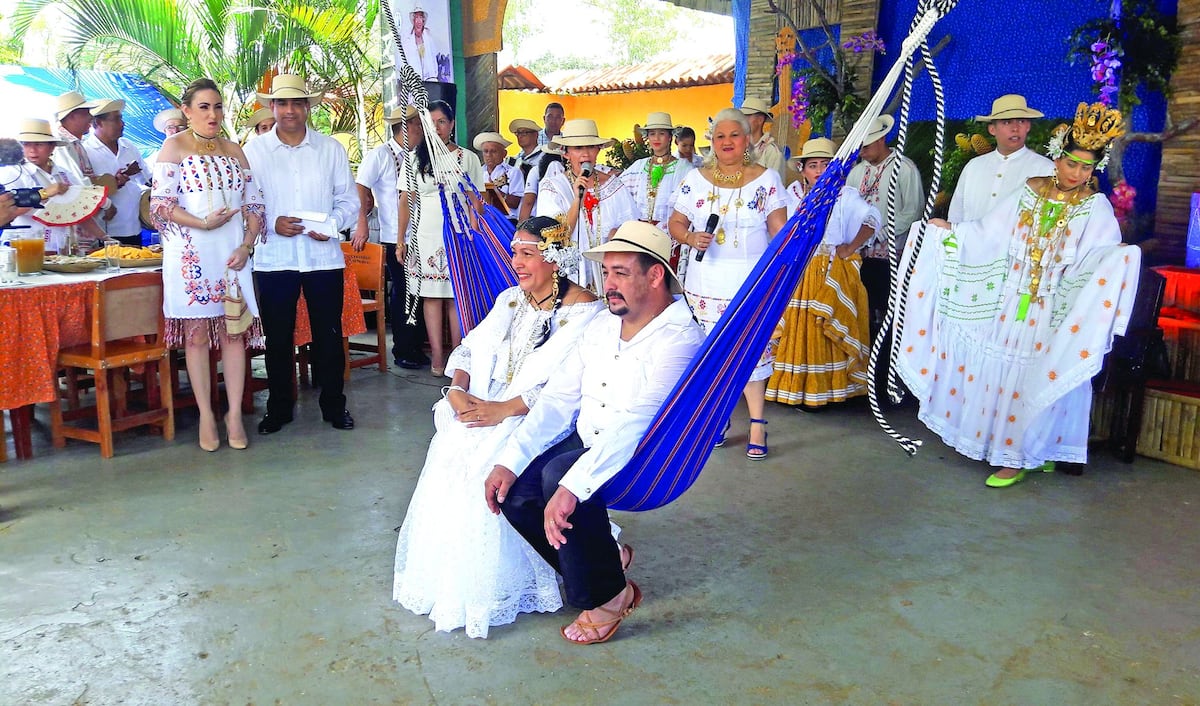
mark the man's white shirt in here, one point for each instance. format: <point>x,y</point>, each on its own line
<point>611,389</point>
<point>988,178</point>
<point>314,176</point>
<point>127,199</point>
<point>378,173</point>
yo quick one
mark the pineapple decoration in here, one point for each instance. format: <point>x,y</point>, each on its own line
<point>975,144</point>
<point>625,152</point>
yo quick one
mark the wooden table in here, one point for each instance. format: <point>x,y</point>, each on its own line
<point>42,314</point>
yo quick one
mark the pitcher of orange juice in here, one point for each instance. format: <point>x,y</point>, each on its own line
<point>31,253</point>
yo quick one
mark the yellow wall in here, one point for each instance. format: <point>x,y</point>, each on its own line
<point>616,113</point>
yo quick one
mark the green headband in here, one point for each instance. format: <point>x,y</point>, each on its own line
<point>1073,158</point>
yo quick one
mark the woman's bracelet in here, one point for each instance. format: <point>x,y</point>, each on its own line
<point>450,388</point>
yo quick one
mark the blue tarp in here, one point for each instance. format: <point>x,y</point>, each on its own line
<point>31,93</point>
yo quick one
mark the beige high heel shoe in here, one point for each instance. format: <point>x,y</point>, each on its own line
<point>235,443</point>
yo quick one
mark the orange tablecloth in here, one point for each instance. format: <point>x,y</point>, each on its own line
<point>353,321</point>
<point>36,321</point>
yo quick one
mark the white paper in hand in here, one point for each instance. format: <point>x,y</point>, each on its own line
<point>317,222</point>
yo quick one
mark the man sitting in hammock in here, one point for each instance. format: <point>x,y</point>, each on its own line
<point>624,367</point>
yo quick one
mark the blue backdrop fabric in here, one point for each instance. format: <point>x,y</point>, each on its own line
<point>998,48</point>
<point>31,92</point>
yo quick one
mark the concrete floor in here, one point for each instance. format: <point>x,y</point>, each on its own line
<point>837,572</point>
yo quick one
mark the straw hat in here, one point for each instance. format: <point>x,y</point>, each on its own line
<point>483,137</point>
<point>523,124</point>
<point>580,132</point>
<point>817,148</point>
<point>34,130</point>
<point>418,7</point>
<point>880,127</point>
<point>636,236</point>
<point>658,121</point>
<point>107,106</point>
<point>1010,106</point>
<point>286,86</point>
<point>164,116</point>
<point>258,116</point>
<point>399,114</point>
<point>750,106</point>
<point>72,100</point>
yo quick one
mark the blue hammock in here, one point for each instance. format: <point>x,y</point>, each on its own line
<point>479,259</point>
<point>680,439</point>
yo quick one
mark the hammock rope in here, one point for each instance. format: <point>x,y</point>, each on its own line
<point>898,289</point>
<point>680,438</point>
<point>476,245</point>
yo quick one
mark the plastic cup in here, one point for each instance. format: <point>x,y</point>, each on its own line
<point>112,256</point>
<point>8,265</point>
<point>31,254</point>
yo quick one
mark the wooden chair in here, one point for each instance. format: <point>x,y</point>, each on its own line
<point>128,329</point>
<point>368,268</point>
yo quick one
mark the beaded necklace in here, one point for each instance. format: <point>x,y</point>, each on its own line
<point>1047,223</point>
<point>715,206</point>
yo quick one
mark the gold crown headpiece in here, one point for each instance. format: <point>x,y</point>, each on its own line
<point>1094,128</point>
<point>1096,125</point>
<point>556,236</point>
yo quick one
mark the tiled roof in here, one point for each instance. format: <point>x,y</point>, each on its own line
<point>680,73</point>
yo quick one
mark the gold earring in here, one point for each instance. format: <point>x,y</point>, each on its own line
<point>554,292</point>
<point>747,160</point>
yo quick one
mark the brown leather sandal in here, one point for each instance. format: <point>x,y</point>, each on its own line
<point>615,621</point>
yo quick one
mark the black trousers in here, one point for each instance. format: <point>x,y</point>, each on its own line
<point>590,561</point>
<point>278,293</point>
<point>407,340</point>
<point>877,279</point>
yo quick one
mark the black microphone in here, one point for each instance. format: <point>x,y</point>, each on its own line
<point>585,171</point>
<point>708,228</point>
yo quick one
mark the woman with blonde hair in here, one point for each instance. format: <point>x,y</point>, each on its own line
<point>209,212</point>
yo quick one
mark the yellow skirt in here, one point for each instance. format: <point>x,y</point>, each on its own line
<point>822,356</point>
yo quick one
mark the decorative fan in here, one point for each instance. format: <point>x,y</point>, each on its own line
<point>78,204</point>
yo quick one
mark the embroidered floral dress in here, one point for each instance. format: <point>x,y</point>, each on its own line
<point>741,239</point>
<point>1008,319</point>
<point>427,267</point>
<point>455,561</point>
<point>822,356</point>
<point>193,259</point>
<point>602,212</point>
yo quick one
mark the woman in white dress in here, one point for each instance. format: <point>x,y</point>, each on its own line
<point>654,181</point>
<point>1008,318</point>
<point>424,253</point>
<point>822,355</point>
<point>209,212</point>
<point>748,201</point>
<point>455,561</point>
<point>588,197</point>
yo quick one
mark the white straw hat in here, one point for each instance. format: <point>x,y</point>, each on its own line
<point>286,86</point>
<point>636,236</point>
<point>35,130</point>
<point>580,132</point>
